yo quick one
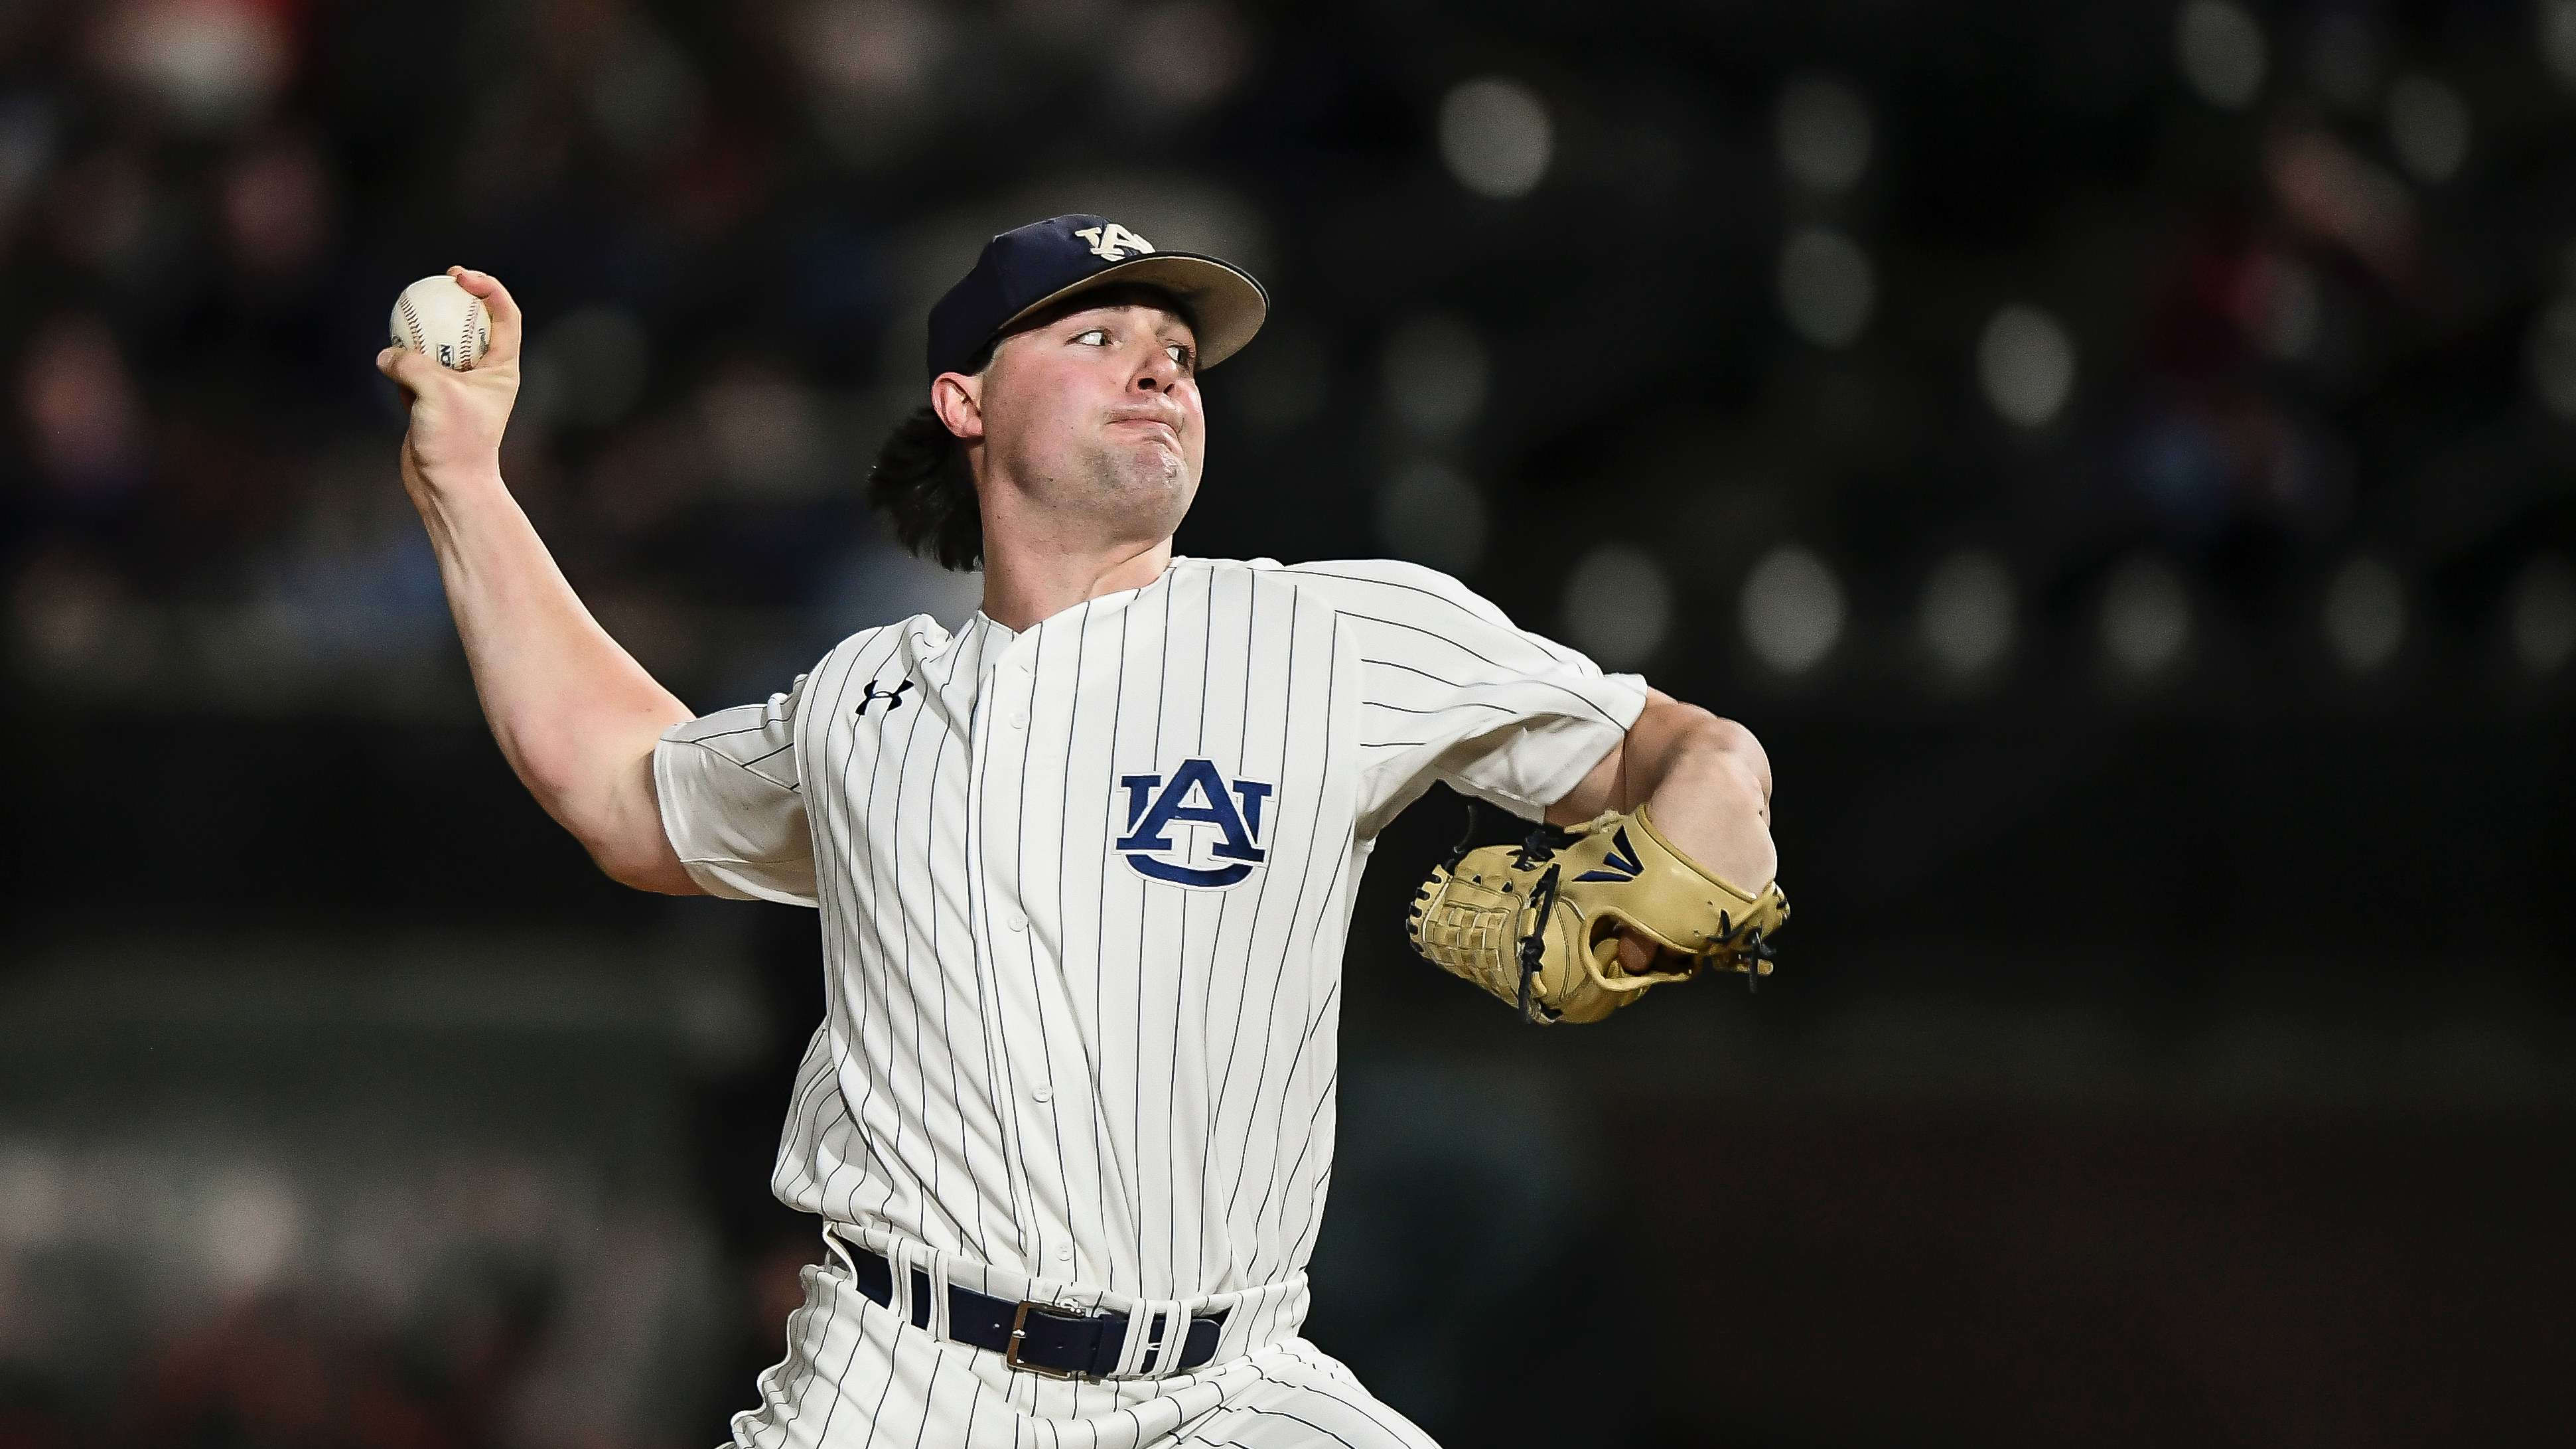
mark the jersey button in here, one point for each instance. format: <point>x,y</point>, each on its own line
<point>1017,923</point>
<point>1020,721</point>
<point>1064,1252</point>
<point>1043,1094</point>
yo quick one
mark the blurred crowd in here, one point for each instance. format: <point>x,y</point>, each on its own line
<point>1971,346</point>
<point>1980,364</point>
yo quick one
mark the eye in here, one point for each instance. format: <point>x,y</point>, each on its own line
<point>1093,336</point>
<point>1180,352</point>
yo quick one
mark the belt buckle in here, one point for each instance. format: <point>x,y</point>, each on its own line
<point>1020,1335</point>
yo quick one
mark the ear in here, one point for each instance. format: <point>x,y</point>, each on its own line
<point>958,398</point>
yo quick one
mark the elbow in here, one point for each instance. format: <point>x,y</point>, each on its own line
<point>644,866</point>
<point>1730,758</point>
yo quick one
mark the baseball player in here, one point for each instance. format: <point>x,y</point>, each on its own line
<point>1085,865</point>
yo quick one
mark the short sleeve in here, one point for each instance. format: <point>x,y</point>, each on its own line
<point>733,801</point>
<point>1451,690</point>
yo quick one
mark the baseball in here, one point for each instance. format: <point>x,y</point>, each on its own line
<point>441,320</point>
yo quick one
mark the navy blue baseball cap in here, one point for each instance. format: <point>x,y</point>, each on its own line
<point>1047,261</point>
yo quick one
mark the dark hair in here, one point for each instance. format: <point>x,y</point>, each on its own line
<point>922,481</point>
<point>924,485</point>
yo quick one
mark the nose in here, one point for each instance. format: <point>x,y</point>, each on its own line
<point>1159,373</point>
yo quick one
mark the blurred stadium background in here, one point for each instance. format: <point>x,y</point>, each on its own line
<point>2120,457</point>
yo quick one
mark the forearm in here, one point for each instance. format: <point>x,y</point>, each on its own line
<point>573,712</point>
<point>1707,779</point>
<point>1712,800</point>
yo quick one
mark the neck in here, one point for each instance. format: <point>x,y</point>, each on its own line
<point>1022,587</point>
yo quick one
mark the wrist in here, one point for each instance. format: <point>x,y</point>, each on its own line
<point>462,480</point>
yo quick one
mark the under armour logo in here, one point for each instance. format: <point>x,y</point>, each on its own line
<point>1196,796</point>
<point>1620,864</point>
<point>1112,240</point>
<point>891,698</point>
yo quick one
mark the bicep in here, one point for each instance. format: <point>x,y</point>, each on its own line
<point>639,852</point>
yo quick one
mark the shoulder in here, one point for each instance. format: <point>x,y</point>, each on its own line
<point>870,649</point>
<point>1391,589</point>
<point>921,632</point>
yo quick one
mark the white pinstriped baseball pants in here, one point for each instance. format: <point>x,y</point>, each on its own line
<point>860,1376</point>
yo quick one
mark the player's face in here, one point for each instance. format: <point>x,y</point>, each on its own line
<point>1098,410</point>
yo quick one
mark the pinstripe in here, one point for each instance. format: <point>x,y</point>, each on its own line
<point>1314,825</point>
<point>1004,1109</point>
<point>841,923</point>
<point>835,1002</point>
<point>820,1045</point>
<point>1316,1015</point>
<point>1099,960</point>
<point>1029,937</point>
<point>1136,1077</point>
<point>1181,966</point>
<point>911,991</point>
<point>1261,893</point>
<point>885,1388</point>
<point>875,988</point>
<point>1064,923</point>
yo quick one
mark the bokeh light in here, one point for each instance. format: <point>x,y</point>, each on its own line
<point>2026,363</point>
<point>1827,286</point>
<point>2365,615</point>
<point>2557,24</point>
<point>1431,514</point>
<point>250,1228</point>
<point>2542,614</point>
<point>1618,605</point>
<point>1792,609</point>
<point>2222,53</point>
<point>2428,127</point>
<point>2552,357</point>
<point>2146,618</point>
<point>1494,133</point>
<point>210,65</point>
<point>1823,131</point>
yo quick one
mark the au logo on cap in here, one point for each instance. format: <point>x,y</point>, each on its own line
<point>1112,240</point>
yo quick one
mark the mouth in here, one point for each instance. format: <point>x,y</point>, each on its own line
<point>1155,427</point>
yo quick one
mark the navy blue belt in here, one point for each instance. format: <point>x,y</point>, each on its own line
<point>1038,1337</point>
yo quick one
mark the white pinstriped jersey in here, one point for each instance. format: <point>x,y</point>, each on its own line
<point>1084,892</point>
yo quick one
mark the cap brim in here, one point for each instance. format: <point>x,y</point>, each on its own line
<point>1226,305</point>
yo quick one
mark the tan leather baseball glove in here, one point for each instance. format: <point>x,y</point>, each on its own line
<point>1539,924</point>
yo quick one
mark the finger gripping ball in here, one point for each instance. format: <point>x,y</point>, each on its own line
<point>443,322</point>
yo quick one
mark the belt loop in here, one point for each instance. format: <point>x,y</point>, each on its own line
<point>917,1265</point>
<point>1132,1347</point>
<point>938,1264</point>
<point>833,1245</point>
<point>1166,1331</point>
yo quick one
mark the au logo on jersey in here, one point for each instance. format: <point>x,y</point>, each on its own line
<point>1112,241</point>
<point>1196,829</point>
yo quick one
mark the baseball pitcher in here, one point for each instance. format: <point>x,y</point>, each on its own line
<point>1085,864</point>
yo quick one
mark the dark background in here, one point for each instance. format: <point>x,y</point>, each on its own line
<point>2120,458</point>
